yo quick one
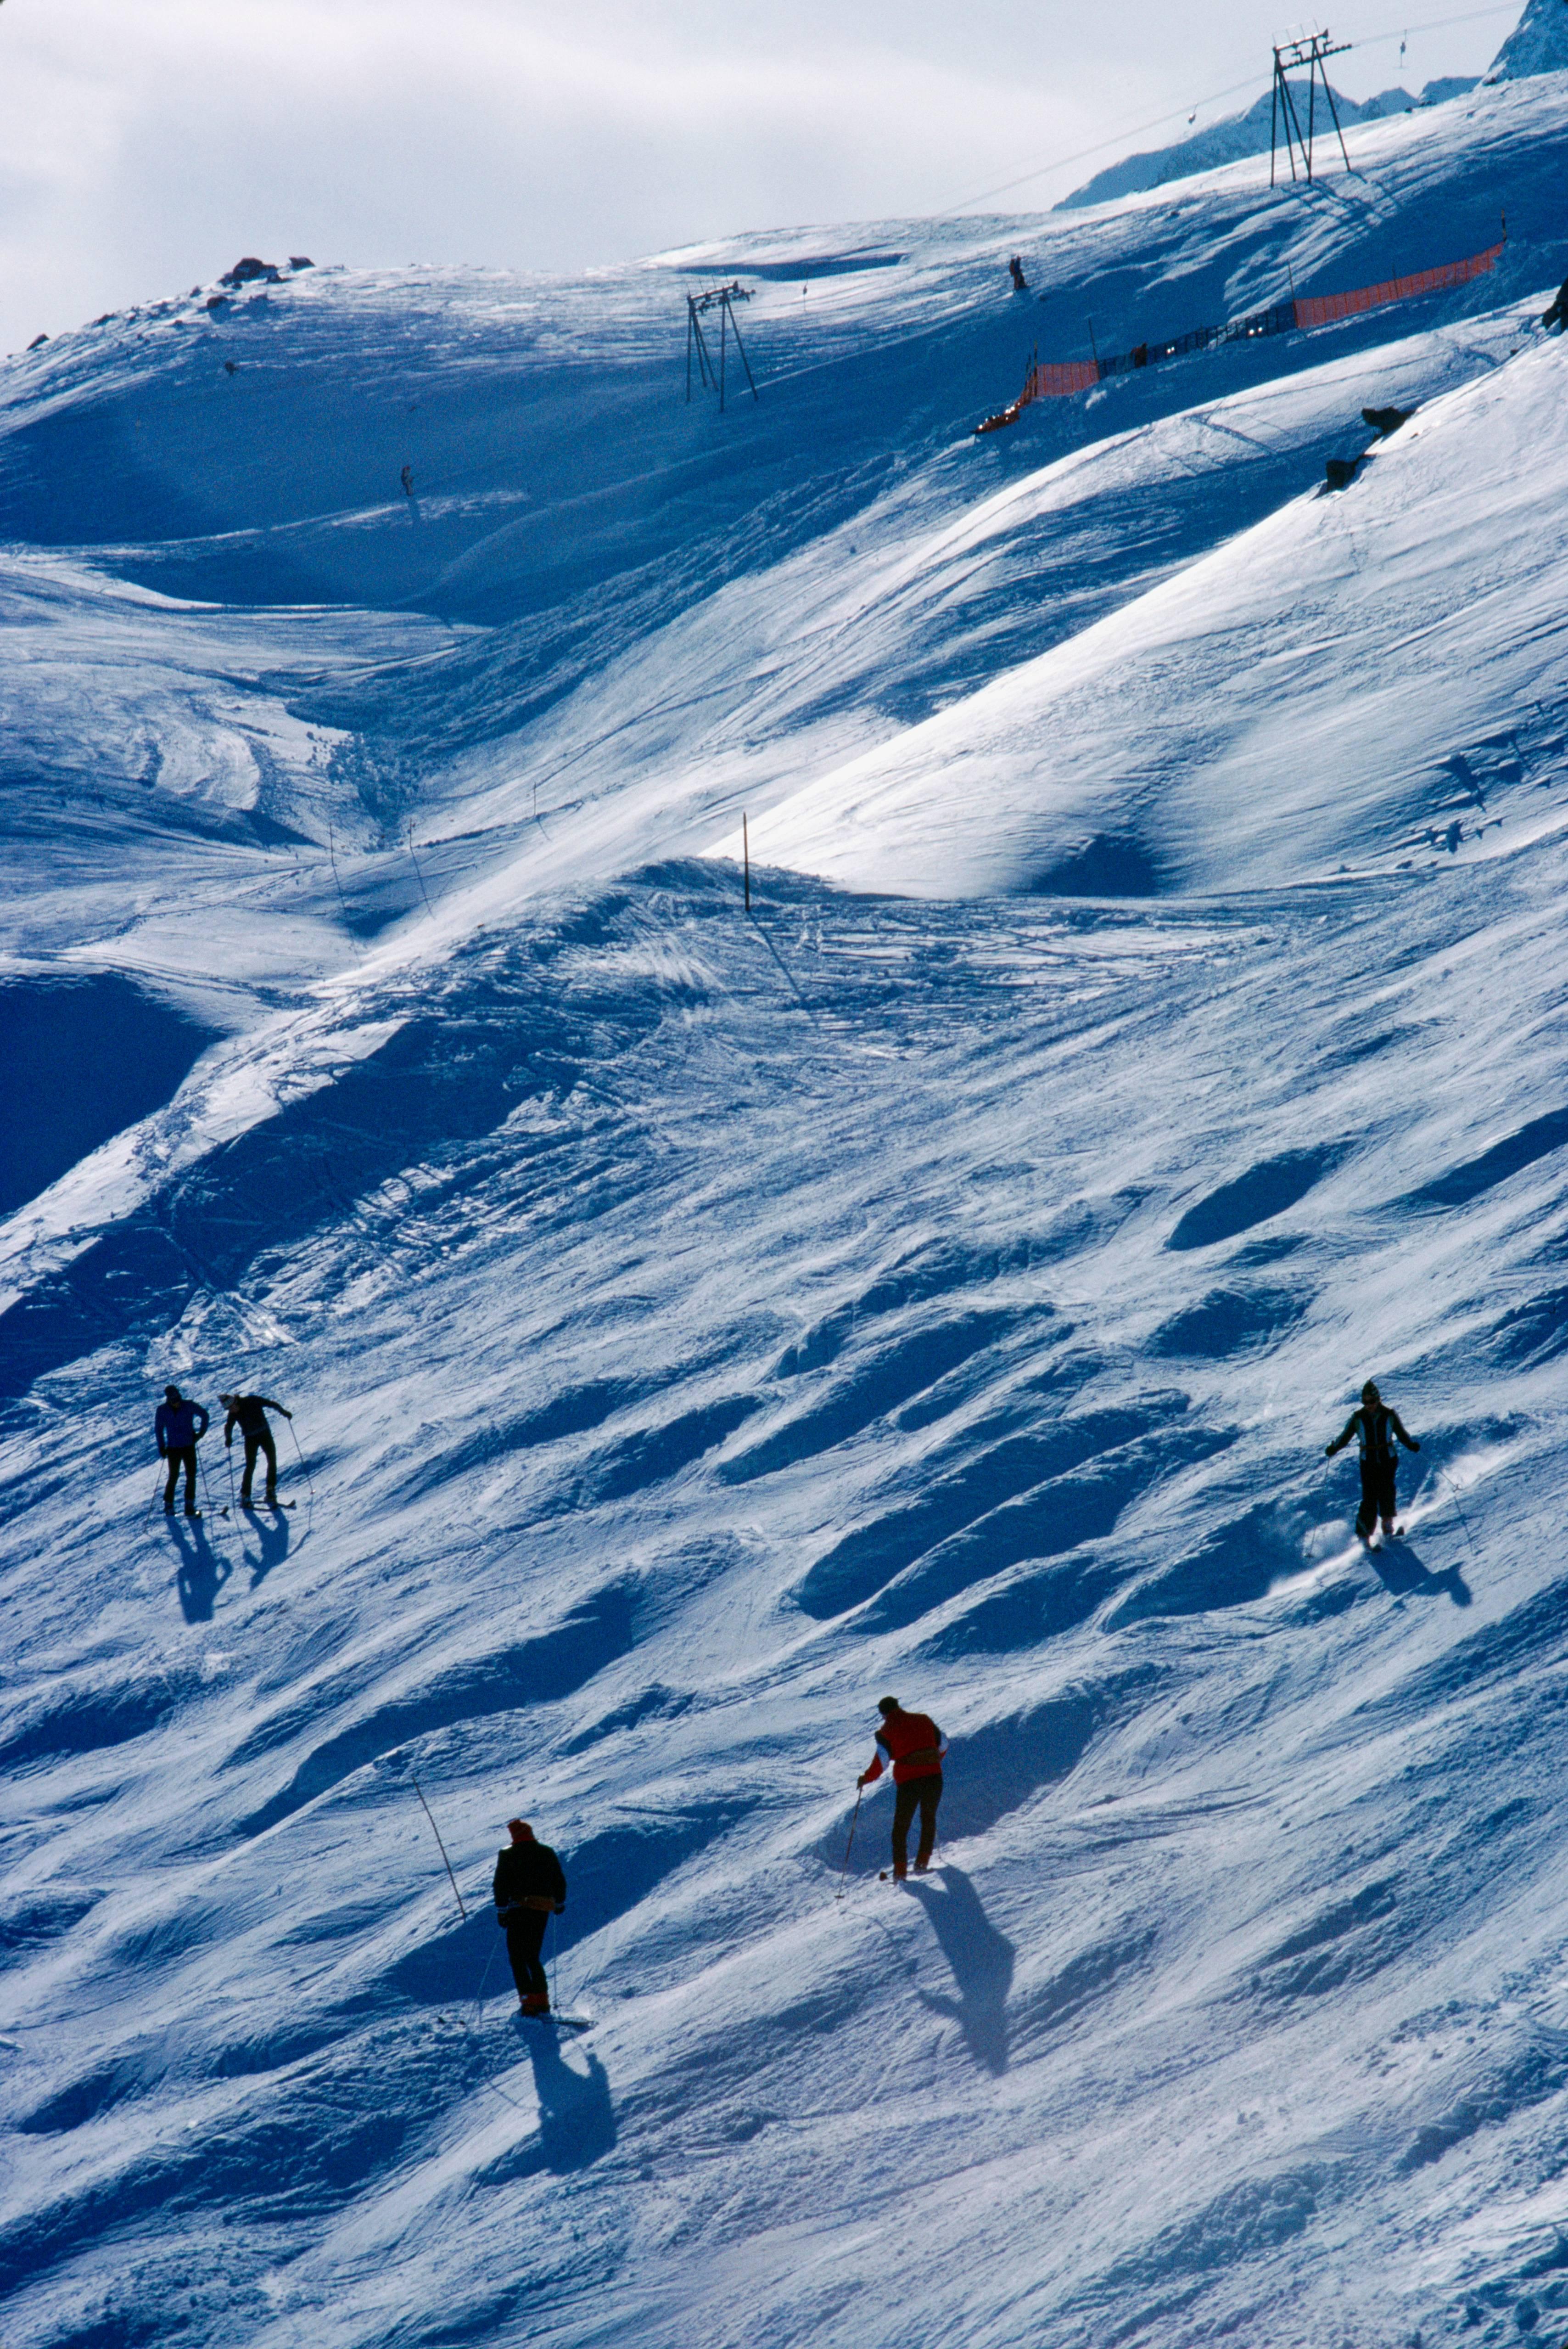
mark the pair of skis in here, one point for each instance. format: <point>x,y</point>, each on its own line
<point>193,1517</point>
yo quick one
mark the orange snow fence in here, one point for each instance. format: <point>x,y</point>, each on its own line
<point>1061,380</point>
<point>1323,309</point>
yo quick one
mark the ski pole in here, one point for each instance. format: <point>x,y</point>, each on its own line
<point>206,1487</point>
<point>309,1486</point>
<point>848,1847</point>
<point>1453,1488</point>
<point>435,1831</point>
<point>157,1480</point>
<point>484,1978</point>
<point>555,1963</point>
<point>229,1456</point>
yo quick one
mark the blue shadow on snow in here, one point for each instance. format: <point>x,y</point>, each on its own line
<point>1263,1191</point>
<point>576,2119</point>
<point>1510,1156</point>
<point>271,1537</point>
<point>981,1962</point>
<point>202,1571</point>
<point>81,1061</point>
<point>1404,1575</point>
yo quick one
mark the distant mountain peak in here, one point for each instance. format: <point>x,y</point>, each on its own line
<point>1537,44</point>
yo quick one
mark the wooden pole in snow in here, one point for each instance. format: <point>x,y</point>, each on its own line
<point>442,1847</point>
<point>746,857</point>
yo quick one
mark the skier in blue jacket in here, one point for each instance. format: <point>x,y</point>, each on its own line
<point>1375,1427</point>
<point>180,1426</point>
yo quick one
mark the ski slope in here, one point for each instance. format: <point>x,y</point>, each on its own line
<point>942,1279</point>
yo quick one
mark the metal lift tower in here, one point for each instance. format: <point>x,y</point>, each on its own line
<point>1313,51</point>
<point>723,299</point>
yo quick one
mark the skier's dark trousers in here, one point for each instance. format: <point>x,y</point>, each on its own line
<point>530,1889</point>
<point>1375,1427</point>
<point>912,1742</point>
<point>248,1413</point>
<point>178,1427</point>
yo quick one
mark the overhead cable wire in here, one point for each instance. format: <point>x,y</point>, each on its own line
<point>1065,162</point>
<point>1196,106</point>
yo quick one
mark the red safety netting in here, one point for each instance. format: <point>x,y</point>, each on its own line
<point>1059,379</point>
<point>1323,309</point>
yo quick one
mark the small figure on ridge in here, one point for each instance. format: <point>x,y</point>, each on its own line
<point>178,1435</point>
<point>912,1742</point>
<point>529,1890</point>
<point>1375,1427</point>
<point>1015,270</point>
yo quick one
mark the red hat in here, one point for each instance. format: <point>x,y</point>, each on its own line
<point>520,1830</point>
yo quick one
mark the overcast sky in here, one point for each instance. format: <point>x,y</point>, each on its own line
<point>145,144</point>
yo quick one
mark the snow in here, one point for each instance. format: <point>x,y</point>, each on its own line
<point>942,1280</point>
<point>1401,642</point>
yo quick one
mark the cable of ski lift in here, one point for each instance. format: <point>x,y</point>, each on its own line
<point>1191,108</point>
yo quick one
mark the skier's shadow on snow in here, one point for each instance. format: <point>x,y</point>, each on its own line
<point>201,1574</point>
<point>1404,1576</point>
<point>273,1535</point>
<point>981,1962</point>
<point>576,2119</point>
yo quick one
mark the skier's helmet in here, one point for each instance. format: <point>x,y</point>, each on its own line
<point>1369,1394</point>
<point>886,1704</point>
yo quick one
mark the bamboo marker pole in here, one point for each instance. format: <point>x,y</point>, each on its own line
<point>440,1847</point>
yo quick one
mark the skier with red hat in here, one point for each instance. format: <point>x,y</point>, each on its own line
<point>914,1745</point>
<point>530,1889</point>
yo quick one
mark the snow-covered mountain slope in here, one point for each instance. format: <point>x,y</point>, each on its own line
<point>700,1321</point>
<point>1366,679</point>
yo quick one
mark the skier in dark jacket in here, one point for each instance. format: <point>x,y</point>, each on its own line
<point>529,1888</point>
<point>179,1426</point>
<point>1375,1427</point>
<point>248,1414</point>
<point>912,1742</point>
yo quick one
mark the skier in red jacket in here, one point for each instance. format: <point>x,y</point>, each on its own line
<point>912,1742</point>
